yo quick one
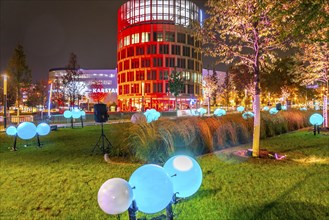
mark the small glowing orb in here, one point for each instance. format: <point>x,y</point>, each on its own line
<point>240,109</point>
<point>265,108</point>
<point>202,111</point>
<point>67,114</point>
<point>115,196</point>
<point>186,175</point>
<point>26,130</point>
<point>247,115</point>
<point>76,113</point>
<point>219,112</point>
<point>151,115</point>
<point>303,109</point>
<point>152,188</point>
<point>273,111</point>
<point>316,119</point>
<point>83,113</point>
<point>284,108</point>
<point>43,129</point>
<point>11,130</point>
<point>317,107</point>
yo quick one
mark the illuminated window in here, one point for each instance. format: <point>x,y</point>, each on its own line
<point>135,38</point>
<point>170,37</point>
<point>158,36</point>
<point>126,41</point>
<point>145,37</point>
<point>140,75</point>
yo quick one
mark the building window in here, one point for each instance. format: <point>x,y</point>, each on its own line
<point>134,63</point>
<point>123,77</point>
<point>175,49</point>
<point>157,61</point>
<point>186,51</point>
<point>130,76</point>
<point>163,75</point>
<point>147,88</point>
<point>145,37</point>
<point>135,88</point>
<point>126,65</point>
<point>170,37</point>
<point>151,74</point>
<point>140,50</point>
<point>151,49</point>
<point>164,49</point>
<point>190,89</point>
<point>170,62</point>
<point>190,64</point>
<point>126,40</point>
<point>123,53</point>
<point>126,89</point>
<point>140,75</point>
<point>135,38</point>
<point>181,38</point>
<point>130,52</point>
<point>181,63</point>
<point>190,40</point>
<point>157,87</point>
<point>158,36</point>
<point>146,62</point>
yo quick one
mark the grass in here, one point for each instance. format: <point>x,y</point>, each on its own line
<point>61,179</point>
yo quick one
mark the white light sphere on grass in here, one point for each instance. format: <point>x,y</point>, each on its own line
<point>186,175</point>
<point>76,113</point>
<point>247,115</point>
<point>265,108</point>
<point>273,111</point>
<point>152,188</point>
<point>26,130</point>
<point>115,196</point>
<point>67,114</point>
<point>43,129</point>
<point>219,112</point>
<point>83,113</point>
<point>202,111</point>
<point>284,108</point>
<point>316,119</point>
<point>11,131</point>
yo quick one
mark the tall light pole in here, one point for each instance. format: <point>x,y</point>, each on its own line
<point>143,93</point>
<point>5,100</point>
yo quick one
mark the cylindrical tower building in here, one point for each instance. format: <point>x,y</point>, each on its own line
<point>154,39</point>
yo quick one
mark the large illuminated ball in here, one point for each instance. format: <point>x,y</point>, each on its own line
<point>43,129</point>
<point>316,119</point>
<point>240,109</point>
<point>247,115</point>
<point>152,188</point>
<point>115,196</point>
<point>11,130</point>
<point>219,112</point>
<point>265,108</point>
<point>273,111</point>
<point>67,114</point>
<point>83,113</point>
<point>151,115</point>
<point>186,175</point>
<point>284,108</point>
<point>76,113</point>
<point>202,111</point>
<point>26,130</point>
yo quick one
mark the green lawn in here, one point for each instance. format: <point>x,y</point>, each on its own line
<point>61,180</point>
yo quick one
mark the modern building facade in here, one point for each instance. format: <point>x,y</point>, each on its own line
<point>155,39</point>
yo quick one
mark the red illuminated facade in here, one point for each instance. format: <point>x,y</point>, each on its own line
<point>154,40</point>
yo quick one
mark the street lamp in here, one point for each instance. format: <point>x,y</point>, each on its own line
<point>5,100</point>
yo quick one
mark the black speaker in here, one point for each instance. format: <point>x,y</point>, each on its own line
<point>278,106</point>
<point>100,113</point>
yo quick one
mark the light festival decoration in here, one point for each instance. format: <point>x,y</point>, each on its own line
<point>316,119</point>
<point>202,111</point>
<point>76,113</point>
<point>219,112</point>
<point>115,196</point>
<point>151,115</point>
<point>43,129</point>
<point>67,114</point>
<point>185,173</point>
<point>152,188</point>
<point>11,131</point>
<point>303,109</point>
<point>284,108</point>
<point>247,115</point>
<point>273,111</point>
<point>240,109</point>
<point>26,130</point>
<point>266,108</point>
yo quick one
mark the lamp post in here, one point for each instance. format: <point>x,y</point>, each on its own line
<point>5,100</point>
<point>143,93</point>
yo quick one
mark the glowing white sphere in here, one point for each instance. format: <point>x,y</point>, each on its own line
<point>219,112</point>
<point>273,111</point>
<point>284,108</point>
<point>316,119</point>
<point>11,130</point>
<point>240,109</point>
<point>303,109</point>
<point>186,175</point>
<point>151,115</point>
<point>43,129</point>
<point>67,114</point>
<point>83,113</point>
<point>26,130</point>
<point>152,188</point>
<point>76,113</point>
<point>247,115</point>
<point>265,108</point>
<point>115,196</point>
<point>202,111</point>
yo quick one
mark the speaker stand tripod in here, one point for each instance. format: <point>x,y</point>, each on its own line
<point>103,143</point>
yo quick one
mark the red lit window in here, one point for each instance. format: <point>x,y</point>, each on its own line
<point>123,54</point>
<point>152,49</point>
<point>130,52</point>
<point>123,77</point>
<point>163,75</point>
<point>146,62</point>
<point>134,63</point>
<point>147,87</point>
<point>140,50</point>
<point>157,61</point>
<point>151,74</point>
<point>120,90</point>
<point>157,87</point>
<point>126,65</point>
<point>164,49</point>
<point>140,75</point>
<point>130,76</point>
<point>126,89</point>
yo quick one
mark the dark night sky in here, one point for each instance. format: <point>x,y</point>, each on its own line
<point>50,30</point>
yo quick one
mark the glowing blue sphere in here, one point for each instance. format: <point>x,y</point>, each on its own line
<point>186,175</point>
<point>303,109</point>
<point>219,112</point>
<point>115,196</point>
<point>151,115</point>
<point>265,108</point>
<point>284,108</point>
<point>273,111</point>
<point>83,113</point>
<point>247,115</point>
<point>202,111</point>
<point>316,119</point>
<point>11,130</point>
<point>26,130</point>
<point>43,129</point>
<point>67,114</point>
<point>240,109</point>
<point>152,188</point>
<point>76,113</point>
